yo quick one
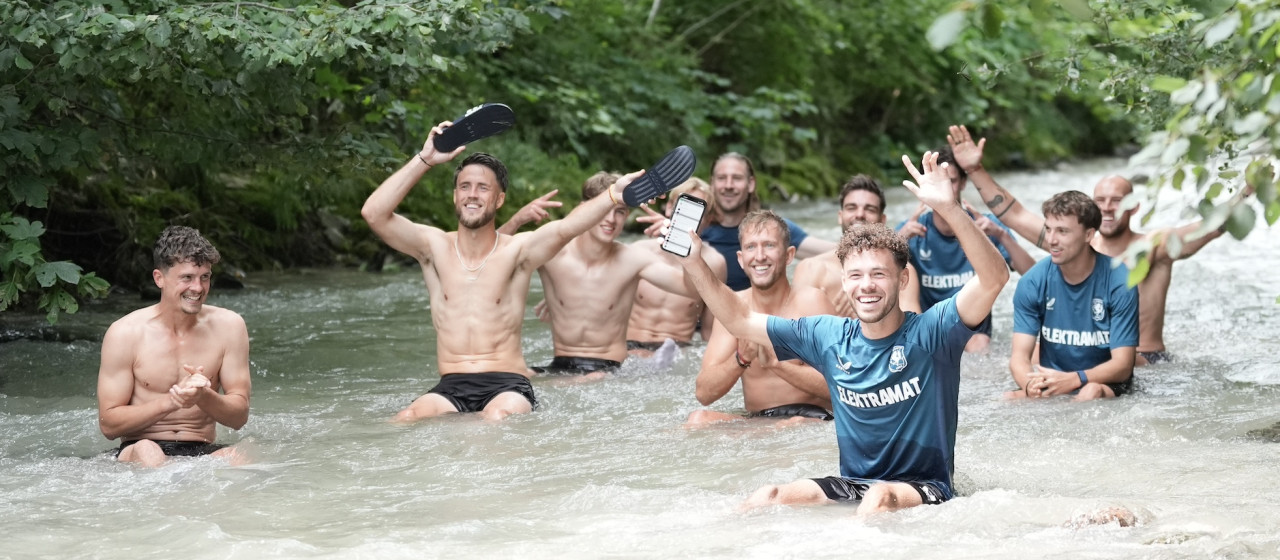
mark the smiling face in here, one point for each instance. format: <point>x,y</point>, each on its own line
<point>610,227</point>
<point>477,196</point>
<point>765,254</point>
<point>733,184</point>
<point>860,206</point>
<point>872,279</point>
<point>185,284</point>
<point>1066,238</point>
<point>1108,194</point>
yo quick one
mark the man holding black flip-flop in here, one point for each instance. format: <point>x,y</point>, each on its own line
<point>477,278</point>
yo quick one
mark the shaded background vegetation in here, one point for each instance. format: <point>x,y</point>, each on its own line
<point>266,124</point>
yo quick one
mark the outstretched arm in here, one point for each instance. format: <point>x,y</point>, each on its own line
<point>730,311</point>
<point>933,187</point>
<point>1003,205</point>
<point>1189,243</point>
<point>379,210</point>
<point>533,212</point>
<point>544,242</point>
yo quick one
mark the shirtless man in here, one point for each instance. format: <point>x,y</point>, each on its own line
<point>659,315</point>
<point>172,371</point>
<point>590,286</point>
<point>767,390</point>
<point>734,180</point>
<point>1113,239</point>
<point>477,279</point>
<point>861,202</point>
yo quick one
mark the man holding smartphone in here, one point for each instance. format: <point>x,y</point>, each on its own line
<point>894,376</point>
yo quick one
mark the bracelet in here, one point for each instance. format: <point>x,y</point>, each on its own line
<point>1084,380</point>
<point>741,363</point>
<point>423,160</point>
<point>615,200</point>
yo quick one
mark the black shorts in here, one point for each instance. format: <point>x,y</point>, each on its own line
<point>651,346</point>
<point>471,392</point>
<point>1156,357</point>
<point>573,365</point>
<point>177,448</point>
<point>803,410</point>
<point>841,489</point>
<point>1123,387</point>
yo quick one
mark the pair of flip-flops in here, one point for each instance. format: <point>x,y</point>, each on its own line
<point>490,119</point>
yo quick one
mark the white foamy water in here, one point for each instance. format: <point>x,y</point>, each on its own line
<point>605,470</point>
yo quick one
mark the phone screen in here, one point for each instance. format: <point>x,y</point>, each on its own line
<point>684,219</point>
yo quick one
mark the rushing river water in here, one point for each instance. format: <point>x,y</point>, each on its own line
<point>605,470</point>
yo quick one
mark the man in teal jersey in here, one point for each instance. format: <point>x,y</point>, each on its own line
<point>1077,304</point>
<point>894,376</point>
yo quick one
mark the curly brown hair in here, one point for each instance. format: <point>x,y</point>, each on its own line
<point>869,237</point>
<point>179,244</point>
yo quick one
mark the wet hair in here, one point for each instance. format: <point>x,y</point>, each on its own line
<point>945,155</point>
<point>481,158</point>
<point>861,238</point>
<point>753,201</point>
<point>179,244</point>
<point>756,220</point>
<point>1074,203</point>
<point>597,184</point>
<point>861,183</point>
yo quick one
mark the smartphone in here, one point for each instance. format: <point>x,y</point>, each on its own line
<point>685,218</point>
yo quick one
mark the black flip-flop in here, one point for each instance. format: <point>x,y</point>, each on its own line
<point>482,121</point>
<point>674,168</point>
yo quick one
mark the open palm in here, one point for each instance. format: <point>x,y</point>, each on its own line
<point>932,184</point>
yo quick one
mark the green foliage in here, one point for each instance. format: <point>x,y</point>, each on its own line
<point>22,267</point>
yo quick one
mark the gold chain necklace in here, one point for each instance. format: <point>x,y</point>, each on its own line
<point>482,263</point>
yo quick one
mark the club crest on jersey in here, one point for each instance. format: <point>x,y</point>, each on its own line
<point>898,359</point>
<point>925,253</point>
<point>1048,306</point>
<point>1099,311</point>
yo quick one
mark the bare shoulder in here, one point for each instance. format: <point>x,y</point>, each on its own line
<point>130,326</point>
<point>809,300</point>
<point>221,317</point>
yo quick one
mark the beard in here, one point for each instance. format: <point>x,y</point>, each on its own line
<point>477,221</point>
<point>890,303</point>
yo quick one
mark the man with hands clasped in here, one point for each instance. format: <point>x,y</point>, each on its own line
<point>893,376</point>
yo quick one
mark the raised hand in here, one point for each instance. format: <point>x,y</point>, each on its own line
<point>967,153</point>
<point>984,223</point>
<point>536,210</point>
<point>932,185</point>
<point>913,227</point>
<point>657,222</point>
<point>430,155</point>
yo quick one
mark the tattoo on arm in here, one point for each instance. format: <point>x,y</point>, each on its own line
<point>996,202</point>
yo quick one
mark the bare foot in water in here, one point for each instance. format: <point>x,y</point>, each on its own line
<point>1118,515</point>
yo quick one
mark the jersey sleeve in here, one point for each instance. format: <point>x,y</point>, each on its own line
<point>799,338</point>
<point>1027,307</point>
<point>942,331</point>
<point>1124,311</point>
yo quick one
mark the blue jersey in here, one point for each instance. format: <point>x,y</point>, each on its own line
<point>725,240</point>
<point>941,263</point>
<point>1077,325</point>
<point>894,398</point>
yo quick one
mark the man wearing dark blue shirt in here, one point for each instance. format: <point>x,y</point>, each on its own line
<point>894,376</point>
<point>1078,305</point>
<point>733,179</point>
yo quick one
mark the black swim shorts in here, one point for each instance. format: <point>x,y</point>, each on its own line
<point>841,489</point>
<point>177,448</point>
<point>803,410</point>
<point>1156,357</point>
<point>651,346</point>
<point>471,392</point>
<point>1123,387</point>
<point>573,365</point>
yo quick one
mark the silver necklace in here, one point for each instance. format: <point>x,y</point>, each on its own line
<point>482,263</point>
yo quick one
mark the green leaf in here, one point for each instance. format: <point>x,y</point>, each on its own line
<point>1079,9</point>
<point>49,273</point>
<point>8,293</point>
<point>1243,218</point>
<point>1273,212</point>
<point>1141,266</point>
<point>945,30</point>
<point>21,62</point>
<point>23,251</point>
<point>20,228</point>
<point>992,19</point>
<point>1167,84</point>
<point>32,191</point>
